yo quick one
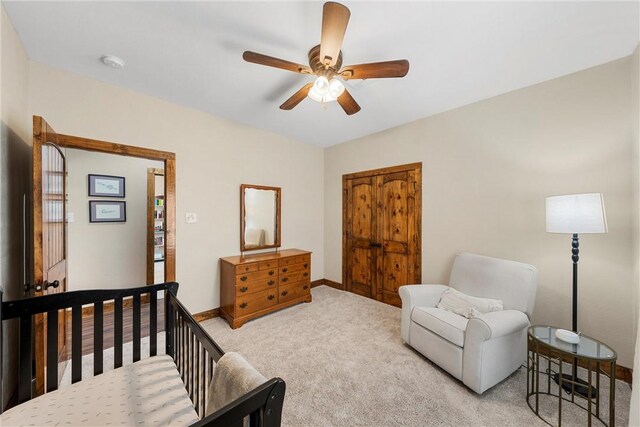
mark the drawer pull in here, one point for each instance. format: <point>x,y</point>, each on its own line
<point>270,297</point>
<point>305,265</point>
<point>305,287</point>
<point>305,274</point>
<point>243,305</point>
<point>244,289</point>
<point>271,273</point>
<point>285,279</point>
<point>284,293</point>
<point>243,278</point>
<point>271,282</point>
<point>284,270</point>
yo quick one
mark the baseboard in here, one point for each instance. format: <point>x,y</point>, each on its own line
<point>327,282</point>
<point>206,315</point>
<point>624,374</point>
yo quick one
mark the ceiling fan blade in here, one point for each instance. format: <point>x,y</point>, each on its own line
<point>335,18</point>
<point>296,98</point>
<point>376,70</point>
<point>269,61</point>
<point>348,104</point>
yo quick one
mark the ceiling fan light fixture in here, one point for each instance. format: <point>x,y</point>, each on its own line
<point>324,90</point>
<point>336,88</point>
<point>313,94</point>
<point>321,85</point>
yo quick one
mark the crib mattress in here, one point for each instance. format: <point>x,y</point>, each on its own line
<point>149,392</point>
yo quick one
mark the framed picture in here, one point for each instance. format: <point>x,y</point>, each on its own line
<point>106,211</point>
<point>106,186</point>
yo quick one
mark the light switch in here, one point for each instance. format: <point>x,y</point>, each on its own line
<point>191,218</point>
<point>70,217</point>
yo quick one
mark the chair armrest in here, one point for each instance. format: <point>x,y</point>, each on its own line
<point>494,346</point>
<point>496,324</point>
<point>417,296</point>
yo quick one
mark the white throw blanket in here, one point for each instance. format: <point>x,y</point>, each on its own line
<point>233,377</point>
<point>466,305</point>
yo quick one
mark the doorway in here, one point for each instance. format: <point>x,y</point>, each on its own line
<point>50,225</point>
<point>155,226</point>
<point>381,231</point>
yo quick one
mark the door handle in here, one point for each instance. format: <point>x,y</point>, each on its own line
<point>53,284</point>
<point>38,287</point>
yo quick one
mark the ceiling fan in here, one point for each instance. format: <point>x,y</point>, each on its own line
<point>325,61</point>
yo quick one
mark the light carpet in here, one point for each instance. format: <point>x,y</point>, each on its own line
<point>344,364</point>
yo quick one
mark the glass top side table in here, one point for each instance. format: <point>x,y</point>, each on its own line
<point>590,353</point>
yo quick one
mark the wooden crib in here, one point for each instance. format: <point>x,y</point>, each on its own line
<point>161,389</point>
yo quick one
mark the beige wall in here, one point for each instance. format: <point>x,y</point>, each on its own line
<point>487,169</point>
<point>15,183</point>
<point>634,415</point>
<point>213,156</point>
<point>107,255</point>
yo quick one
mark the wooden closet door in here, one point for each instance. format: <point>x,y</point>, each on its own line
<point>382,214</point>
<point>398,231</point>
<point>360,232</point>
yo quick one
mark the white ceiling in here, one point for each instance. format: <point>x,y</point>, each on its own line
<point>460,52</point>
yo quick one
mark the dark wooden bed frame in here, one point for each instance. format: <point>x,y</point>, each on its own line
<point>192,349</point>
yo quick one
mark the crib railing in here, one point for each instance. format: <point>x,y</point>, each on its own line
<point>51,305</point>
<point>195,353</point>
<point>192,349</point>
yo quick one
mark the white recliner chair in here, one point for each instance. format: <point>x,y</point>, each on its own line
<point>480,351</point>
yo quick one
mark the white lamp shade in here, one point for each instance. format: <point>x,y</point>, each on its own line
<point>576,214</point>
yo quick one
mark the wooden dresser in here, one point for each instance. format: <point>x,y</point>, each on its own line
<point>254,285</point>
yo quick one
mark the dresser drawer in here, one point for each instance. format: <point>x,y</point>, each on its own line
<point>247,304</point>
<point>256,275</point>
<point>295,260</point>
<point>294,267</point>
<point>255,286</point>
<point>304,258</point>
<point>247,268</point>
<point>268,265</point>
<point>287,261</point>
<point>293,291</point>
<point>295,277</point>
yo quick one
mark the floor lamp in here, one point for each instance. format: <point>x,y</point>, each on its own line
<point>576,214</point>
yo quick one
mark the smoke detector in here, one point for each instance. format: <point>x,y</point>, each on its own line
<point>112,61</point>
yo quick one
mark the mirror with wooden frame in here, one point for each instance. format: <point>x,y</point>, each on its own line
<point>259,217</point>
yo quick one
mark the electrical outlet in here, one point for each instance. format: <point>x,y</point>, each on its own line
<point>191,218</point>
